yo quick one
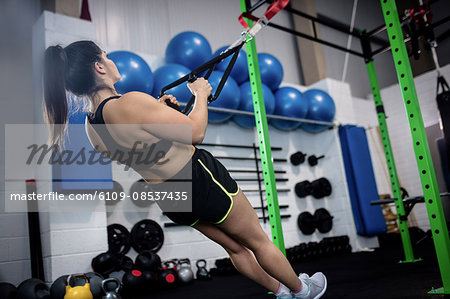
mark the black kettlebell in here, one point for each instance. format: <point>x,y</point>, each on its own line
<point>33,288</point>
<point>169,273</point>
<point>202,273</point>
<point>148,261</point>
<point>133,282</point>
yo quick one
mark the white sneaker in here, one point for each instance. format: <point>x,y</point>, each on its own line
<point>284,292</point>
<point>317,285</point>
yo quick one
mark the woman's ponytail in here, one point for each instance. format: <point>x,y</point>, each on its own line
<point>56,106</point>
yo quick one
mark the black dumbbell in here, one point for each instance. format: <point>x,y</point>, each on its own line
<point>324,221</point>
<point>297,158</point>
<point>313,160</point>
<point>306,223</point>
<point>321,188</point>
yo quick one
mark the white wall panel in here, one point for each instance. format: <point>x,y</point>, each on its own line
<point>148,26</point>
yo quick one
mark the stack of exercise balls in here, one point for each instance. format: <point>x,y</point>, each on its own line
<point>188,50</point>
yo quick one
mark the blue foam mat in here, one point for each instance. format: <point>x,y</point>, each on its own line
<point>369,220</point>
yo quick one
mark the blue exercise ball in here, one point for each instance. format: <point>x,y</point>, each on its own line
<point>168,74</point>
<point>271,70</point>
<point>188,48</point>
<point>240,70</point>
<point>229,97</point>
<point>289,102</point>
<point>135,72</point>
<point>246,104</point>
<point>320,107</point>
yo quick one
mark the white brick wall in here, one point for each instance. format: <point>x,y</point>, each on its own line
<point>64,236</point>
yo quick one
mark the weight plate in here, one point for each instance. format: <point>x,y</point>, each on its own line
<point>114,194</point>
<point>297,158</point>
<point>119,239</point>
<point>147,235</point>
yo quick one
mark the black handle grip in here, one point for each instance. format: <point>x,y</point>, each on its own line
<point>172,105</point>
<point>192,78</point>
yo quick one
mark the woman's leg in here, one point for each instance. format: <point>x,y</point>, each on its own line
<point>242,225</point>
<point>242,258</point>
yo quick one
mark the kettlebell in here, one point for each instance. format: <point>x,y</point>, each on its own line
<point>78,292</point>
<point>169,273</point>
<point>202,273</point>
<point>114,293</point>
<point>185,271</point>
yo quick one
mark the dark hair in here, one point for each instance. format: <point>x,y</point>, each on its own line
<point>72,69</point>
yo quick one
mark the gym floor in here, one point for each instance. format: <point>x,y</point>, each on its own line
<point>374,274</point>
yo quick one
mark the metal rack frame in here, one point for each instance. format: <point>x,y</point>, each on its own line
<point>422,151</point>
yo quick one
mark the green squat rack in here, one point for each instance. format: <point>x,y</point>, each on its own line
<point>397,194</point>
<point>402,216</point>
<point>263,141</point>
<point>422,151</point>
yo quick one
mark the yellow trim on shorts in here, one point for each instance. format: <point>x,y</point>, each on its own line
<point>230,195</point>
<point>195,222</point>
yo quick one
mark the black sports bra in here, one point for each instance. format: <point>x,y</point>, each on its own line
<point>138,159</point>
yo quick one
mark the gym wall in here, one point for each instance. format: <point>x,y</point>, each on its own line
<point>16,107</point>
<point>71,240</point>
<point>401,135</point>
<point>148,26</point>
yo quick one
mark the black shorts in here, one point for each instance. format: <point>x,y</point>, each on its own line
<point>212,191</point>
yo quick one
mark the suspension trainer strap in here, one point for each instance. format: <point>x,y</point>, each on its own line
<point>209,67</point>
<point>271,11</point>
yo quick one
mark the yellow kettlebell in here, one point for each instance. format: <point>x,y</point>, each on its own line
<point>78,292</point>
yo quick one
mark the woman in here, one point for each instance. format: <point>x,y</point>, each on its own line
<point>222,213</point>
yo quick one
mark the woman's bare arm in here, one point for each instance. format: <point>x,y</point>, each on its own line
<point>140,108</point>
